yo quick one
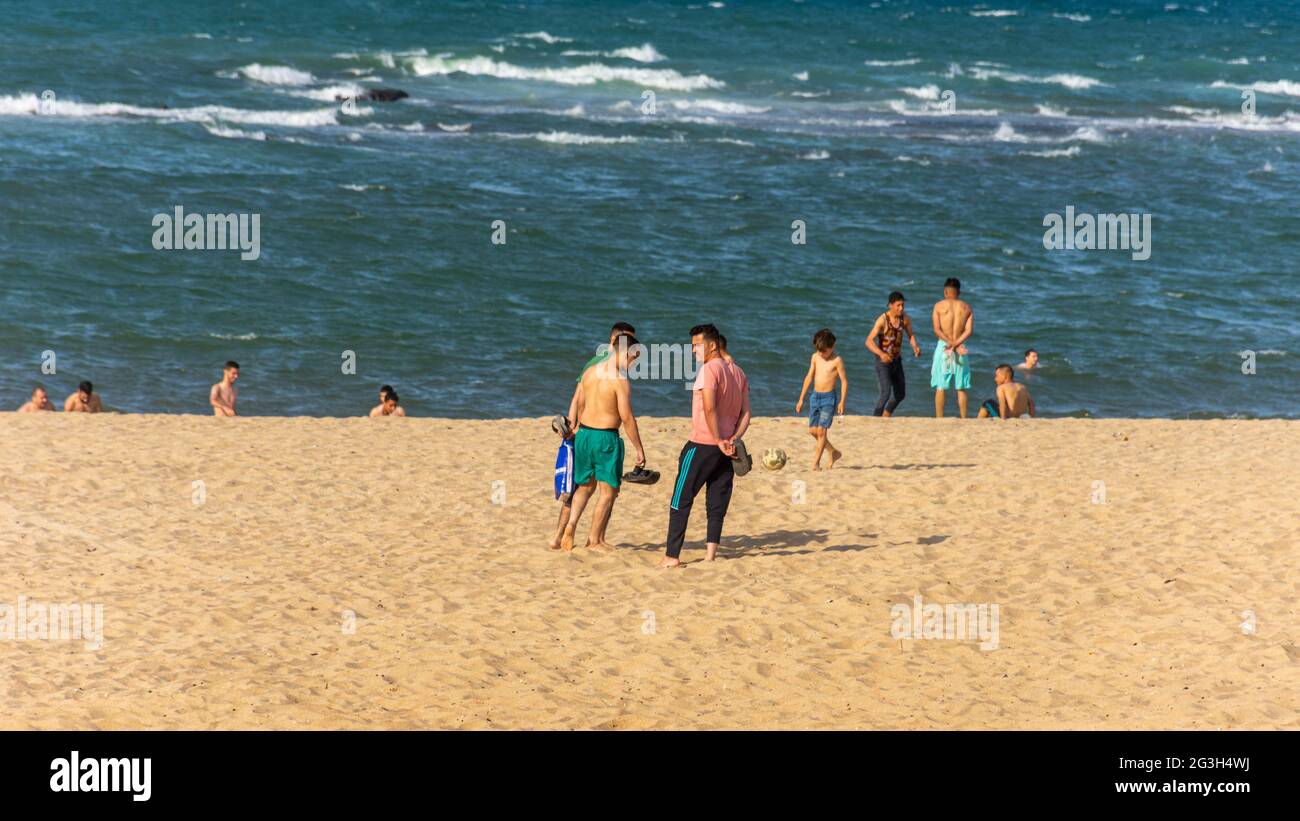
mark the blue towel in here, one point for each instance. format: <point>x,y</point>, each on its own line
<point>564,468</point>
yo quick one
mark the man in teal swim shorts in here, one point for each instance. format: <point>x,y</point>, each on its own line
<point>604,402</point>
<point>954,322</point>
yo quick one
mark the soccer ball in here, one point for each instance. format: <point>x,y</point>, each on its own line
<point>773,458</point>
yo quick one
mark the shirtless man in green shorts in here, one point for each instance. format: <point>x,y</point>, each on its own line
<point>603,404</point>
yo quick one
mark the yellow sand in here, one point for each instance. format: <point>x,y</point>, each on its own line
<point>230,614</point>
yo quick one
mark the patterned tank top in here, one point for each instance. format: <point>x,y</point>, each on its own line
<point>891,338</point>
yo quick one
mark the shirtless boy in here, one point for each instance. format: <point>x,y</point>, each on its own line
<point>387,404</point>
<point>954,322</point>
<point>1013,400</point>
<point>224,394</point>
<point>823,370</point>
<point>886,342</point>
<point>40,401</point>
<point>85,400</point>
<point>604,403</point>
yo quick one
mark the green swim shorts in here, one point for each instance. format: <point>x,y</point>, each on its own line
<point>597,452</point>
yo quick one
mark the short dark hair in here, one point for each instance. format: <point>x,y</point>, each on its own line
<point>87,387</point>
<point>709,332</point>
<point>953,282</point>
<point>232,364</point>
<point>622,327</point>
<point>627,341</point>
<point>1005,367</point>
<point>895,296</point>
<point>386,390</point>
<point>1031,350</point>
<point>824,340</point>
<point>392,394</point>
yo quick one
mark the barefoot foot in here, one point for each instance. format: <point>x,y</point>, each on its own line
<point>835,457</point>
<point>669,561</point>
<point>600,547</point>
<point>710,552</point>
<point>566,542</point>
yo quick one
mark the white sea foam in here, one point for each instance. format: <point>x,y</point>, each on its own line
<point>455,128</point>
<point>354,187</point>
<point>801,76</point>
<point>644,53</point>
<point>549,39</point>
<point>201,36</point>
<point>995,13</point>
<point>569,138</point>
<point>1078,18</point>
<point>732,141</point>
<point>926,92</point>
<point>28,104</point>
<point>330,94</point>
<point>233,133</point>
<point>239,337</point>
<point>661,78</point>
<point>276,75</point>
<point>917,160</point>
<point>1048,111</point>
<point>1087,134</point>
<point>869,123</point>
<point>816,155</point>
<point>1072,151</point>
<point>718,107</point>
<point>1071,81</point>
<point>1287,88</point>
<point>883,63</point>
<point>810,94</point>
<point>1007,134</point>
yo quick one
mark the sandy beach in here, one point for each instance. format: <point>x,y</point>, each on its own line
<point>1119,612</point>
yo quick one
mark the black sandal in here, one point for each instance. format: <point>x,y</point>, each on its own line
<point>640,476</point>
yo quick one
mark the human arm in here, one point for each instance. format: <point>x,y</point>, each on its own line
<point>623,392</point>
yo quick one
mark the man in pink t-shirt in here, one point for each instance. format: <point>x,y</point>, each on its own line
<point>719,416</point>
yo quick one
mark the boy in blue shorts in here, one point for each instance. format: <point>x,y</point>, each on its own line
<point>823,370</point>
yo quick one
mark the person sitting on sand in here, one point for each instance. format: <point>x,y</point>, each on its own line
<point>1013,400</point>
<point>388,404</point>
<point>823,370</point>
<point>224,394</point>
<point>604,404</point>
<point>886,342</point>
<point>40,401</point>
<point>85,400</point>
<point>954,322</point>
<point>1031,361</point>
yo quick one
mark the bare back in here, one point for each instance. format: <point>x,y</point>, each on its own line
<point>951,316</point>
<point>1016,396</point>
<point>599,387</point>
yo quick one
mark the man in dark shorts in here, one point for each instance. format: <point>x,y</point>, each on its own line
<point>886,342</point>
<point>719,416</point>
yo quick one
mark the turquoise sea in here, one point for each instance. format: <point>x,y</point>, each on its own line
<point>376,219</point>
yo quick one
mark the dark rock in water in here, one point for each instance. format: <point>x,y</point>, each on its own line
<point>378,95</point>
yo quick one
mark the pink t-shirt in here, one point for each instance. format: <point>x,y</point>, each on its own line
<point>731,387</point>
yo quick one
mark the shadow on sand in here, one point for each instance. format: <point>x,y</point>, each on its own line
<point>778,543</point>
